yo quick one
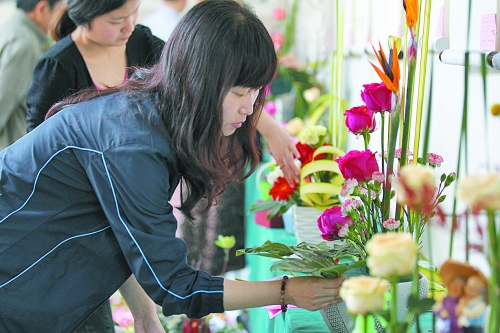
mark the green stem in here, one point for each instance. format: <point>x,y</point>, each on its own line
<point>463,132</point>
<point>421,83</point>
<point>494,280</point>
<point>226,260</point>
<point>366,139</point>
<point>390,162</point>
<point>365,322</point>
<point>337,65</point>
<point>393,310</point>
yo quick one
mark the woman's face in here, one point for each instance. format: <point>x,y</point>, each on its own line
<point>237,105</point>
<point>115,27</point>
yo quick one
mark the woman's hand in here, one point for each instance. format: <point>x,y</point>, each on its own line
<point>281,146</point>
<point>142,307</point>
<point>313,293</point>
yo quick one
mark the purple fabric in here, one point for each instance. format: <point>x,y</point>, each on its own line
<point>449,304</point>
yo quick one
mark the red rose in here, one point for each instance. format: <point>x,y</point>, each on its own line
<point>281,190</point>
<point>359,119</point>
<point>377,97</point>
<point>331,222</point>
<point>359,165</point>
<point>306,153</point>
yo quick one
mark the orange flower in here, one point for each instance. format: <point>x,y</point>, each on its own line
<point>411,8</point>
<point>390,74</point>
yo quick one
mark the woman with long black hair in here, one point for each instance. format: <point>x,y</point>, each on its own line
<point>84,201</point>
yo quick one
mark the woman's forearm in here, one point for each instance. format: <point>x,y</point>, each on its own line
<point>137,300</point>
<point>310,293</point>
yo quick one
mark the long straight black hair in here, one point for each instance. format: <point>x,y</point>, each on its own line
<point>218,44</point>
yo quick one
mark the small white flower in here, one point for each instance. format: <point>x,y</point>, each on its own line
<point>273,176</point>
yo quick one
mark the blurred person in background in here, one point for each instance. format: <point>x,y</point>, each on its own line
<point>98,45</point>
<point>23,40</point>
<point>163,20</point>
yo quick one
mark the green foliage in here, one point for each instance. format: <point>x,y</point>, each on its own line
<point>276,208</point>
<point>305,258</point>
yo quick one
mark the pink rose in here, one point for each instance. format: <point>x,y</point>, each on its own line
<point>359,165</point>
<point>359,119</point>
<point>331,223</point>
<point>377,97</point>
<point>279,13</point>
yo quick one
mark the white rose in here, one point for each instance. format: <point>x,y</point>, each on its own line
<point>391,253</point>
<point>363,294</point>
<point>273,176</point>
<point>480,191</point>
<point>311,94</point>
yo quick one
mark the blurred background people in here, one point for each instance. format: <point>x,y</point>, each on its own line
<point>163,20</point>
<point>23,40</point>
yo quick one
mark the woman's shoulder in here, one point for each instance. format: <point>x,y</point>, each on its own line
<point>63,49</point>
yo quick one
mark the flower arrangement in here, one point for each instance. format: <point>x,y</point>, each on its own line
<point>385,192</point>
<point>320,179</point>
<point>401,193</point>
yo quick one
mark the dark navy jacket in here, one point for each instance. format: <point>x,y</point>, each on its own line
<point>84,202</point>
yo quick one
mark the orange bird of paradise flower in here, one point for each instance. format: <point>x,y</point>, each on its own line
<point>411,8</point>
<point>390,73</point>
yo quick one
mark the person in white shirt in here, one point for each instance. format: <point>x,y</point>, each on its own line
<point>163,20</point>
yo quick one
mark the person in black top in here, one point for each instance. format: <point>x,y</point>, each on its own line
<point>99,45</point>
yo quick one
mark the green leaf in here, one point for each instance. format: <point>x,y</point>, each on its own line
<point>418,306</point>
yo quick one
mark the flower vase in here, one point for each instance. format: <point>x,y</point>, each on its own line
<point>339,320</point>
<point>305,224</point>
<point>288,221</point>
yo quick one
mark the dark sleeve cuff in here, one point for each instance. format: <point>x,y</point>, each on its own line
<point>206,296</point>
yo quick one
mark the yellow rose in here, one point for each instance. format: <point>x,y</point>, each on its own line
<point>391,253</point>
<point>294,126</point>
<point>480,191</point>
<point>415,186</point>
<point>363,294</point>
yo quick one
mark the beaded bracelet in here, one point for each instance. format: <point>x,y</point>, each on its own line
<point>284,306</point>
